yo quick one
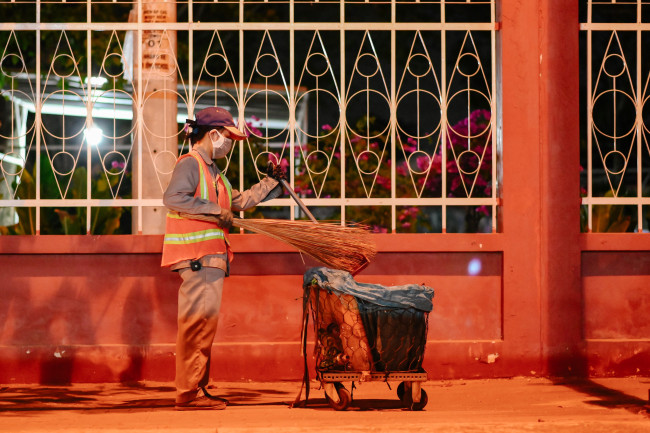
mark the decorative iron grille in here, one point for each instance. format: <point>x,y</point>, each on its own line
<point>615,153</point>
<point>382,111</point>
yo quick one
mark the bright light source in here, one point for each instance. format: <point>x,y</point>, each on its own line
<point>93,135</point>
<point>97,81</point>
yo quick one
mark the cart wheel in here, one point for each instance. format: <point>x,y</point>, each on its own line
<point>344,397</point>
<point>400,391</point>
<point>411,405</point>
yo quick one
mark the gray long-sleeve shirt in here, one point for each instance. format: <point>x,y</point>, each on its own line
<point>179,197</point>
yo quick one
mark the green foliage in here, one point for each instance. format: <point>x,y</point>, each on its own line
<point>104,220</point>
<point>607,218</point>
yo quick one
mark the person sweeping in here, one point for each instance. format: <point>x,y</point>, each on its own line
<point>200,250</point>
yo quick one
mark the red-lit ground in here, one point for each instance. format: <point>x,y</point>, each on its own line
<point>467,406</point>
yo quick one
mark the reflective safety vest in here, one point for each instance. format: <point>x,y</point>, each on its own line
<point>190,239</point>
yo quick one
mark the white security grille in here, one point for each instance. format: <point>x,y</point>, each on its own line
<point>382,111</point>
<point>615,154</point>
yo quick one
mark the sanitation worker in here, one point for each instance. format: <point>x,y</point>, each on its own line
<point>200,251</point>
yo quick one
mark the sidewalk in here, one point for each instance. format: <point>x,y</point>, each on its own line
<point>467,406</point>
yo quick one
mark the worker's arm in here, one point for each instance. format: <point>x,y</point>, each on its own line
<point>179,195</point>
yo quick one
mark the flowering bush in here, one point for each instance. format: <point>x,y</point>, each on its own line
<point>418,172</point>
<point>317,173</point>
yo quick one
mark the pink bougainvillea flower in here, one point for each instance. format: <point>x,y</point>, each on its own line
<point>423,163</point>
<point>253,130</point>
<point>480,181</point>
<point>484,210</point>
<point>326,127</point>
<point>410,146</point>
<point>436,163</point>
<point>477,115</point>
<point>302,190</point>
<point>455,183</point>
<point>383,181</point>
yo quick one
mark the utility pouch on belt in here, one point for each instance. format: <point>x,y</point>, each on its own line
<point>195,265</point>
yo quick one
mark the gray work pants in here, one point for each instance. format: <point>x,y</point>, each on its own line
<point>199,301</point>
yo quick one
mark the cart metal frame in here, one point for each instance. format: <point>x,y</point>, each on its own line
<point>409,391</point>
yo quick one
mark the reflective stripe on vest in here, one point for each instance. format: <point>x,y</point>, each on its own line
<point>193,237</point>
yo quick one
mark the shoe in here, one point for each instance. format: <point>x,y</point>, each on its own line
<point>213,397</point>
<point>202,402</point>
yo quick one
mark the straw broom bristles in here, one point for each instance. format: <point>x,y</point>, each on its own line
<point>349,248</point>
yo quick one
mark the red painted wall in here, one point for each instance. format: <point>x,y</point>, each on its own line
<point>77,310</point>
<point>547,301</point>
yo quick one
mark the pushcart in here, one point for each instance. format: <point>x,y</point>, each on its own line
<point>367,332</point>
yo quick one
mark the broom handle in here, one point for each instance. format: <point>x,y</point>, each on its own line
<point>302,206</point>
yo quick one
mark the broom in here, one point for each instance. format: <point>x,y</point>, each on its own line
<point>349,248</point>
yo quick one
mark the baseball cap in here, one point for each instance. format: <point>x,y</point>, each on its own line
<point>216,116</point>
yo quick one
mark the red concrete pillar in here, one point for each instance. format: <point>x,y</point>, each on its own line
<point>521,186</point>
<point>540,214</point>
<point>560,188</point>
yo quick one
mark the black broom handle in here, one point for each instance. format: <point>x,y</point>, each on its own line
<point>302,206</point>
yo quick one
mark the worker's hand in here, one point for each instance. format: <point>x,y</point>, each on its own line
<point>225,219</point>
<point>275,172</point>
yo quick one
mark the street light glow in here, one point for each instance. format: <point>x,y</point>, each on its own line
<point>93,135</point>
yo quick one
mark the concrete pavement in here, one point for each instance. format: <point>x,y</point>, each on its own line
<point>467,406</point>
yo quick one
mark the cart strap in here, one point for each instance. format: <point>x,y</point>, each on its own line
<point>303,347</point>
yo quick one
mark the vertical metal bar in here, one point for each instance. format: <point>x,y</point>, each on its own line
<point>38,119</point>
<point>240,96</point>
<point>589,121</point>
<point>139,125</point>
<point>343,106</point>
<point>292,102</point>
<point>639,121</point>
<point>493,118</point>
<point>393,119</point>
<point>89,119</point>
<point>190,54</point>
<point>443,117</point>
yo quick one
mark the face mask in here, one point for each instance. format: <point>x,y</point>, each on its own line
<point>221,146</point>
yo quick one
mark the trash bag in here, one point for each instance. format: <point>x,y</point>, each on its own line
<point>367,327</point>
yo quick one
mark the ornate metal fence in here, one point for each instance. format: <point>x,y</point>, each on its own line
<point>615,153</point>
<point>382,111</point>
